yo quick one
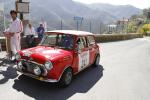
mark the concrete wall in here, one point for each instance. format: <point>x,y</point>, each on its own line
<point>148,34</point>
<point>23,43</point>
<point>117,37</point>
<point>99,38</point>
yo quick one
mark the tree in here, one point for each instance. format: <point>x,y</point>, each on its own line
<point>146,12</point>
<point>145,29</point>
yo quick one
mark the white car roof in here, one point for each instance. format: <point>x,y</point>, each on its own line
<point>72,32</point>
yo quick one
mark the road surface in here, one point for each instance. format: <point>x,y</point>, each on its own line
<point>123,74</point>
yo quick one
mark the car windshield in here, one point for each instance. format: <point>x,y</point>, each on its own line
<point>64,41</point>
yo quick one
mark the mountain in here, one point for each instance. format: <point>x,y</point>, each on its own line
<point>118,11</point>
<point>55,11</point>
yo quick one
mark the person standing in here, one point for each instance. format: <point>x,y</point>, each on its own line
<point>40,31</point>
<point>14,31</point>
<point>30,33</point>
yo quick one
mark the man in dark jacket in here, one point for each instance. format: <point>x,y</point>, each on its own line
<point>40,31</point>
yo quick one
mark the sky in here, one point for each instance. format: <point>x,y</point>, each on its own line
<point>137,3</point>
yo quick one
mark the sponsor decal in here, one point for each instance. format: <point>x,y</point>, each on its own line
<point>26,53</point>
<point>50,51</point>
<point>39,49</point>
<point>83,60</point>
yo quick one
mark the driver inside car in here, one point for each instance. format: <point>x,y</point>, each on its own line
<point>67,41</point>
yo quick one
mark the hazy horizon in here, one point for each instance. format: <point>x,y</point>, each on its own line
<point>137,3</point>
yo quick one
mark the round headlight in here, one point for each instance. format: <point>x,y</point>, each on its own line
<point>17,56</point>
<point>20,66</point>
<point>48,65</point>
<point>37,71</point>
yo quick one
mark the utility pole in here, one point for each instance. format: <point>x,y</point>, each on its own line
<point>90,26</point>
<point>100,27</point>
<point>61,25</point>
<point>77,25</point>
<point>21,14</point>
<point>78,20</point>
<point>22,7</point>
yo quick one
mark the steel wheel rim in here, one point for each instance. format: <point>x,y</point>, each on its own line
<point>68,78</point>
<point>97,60</point>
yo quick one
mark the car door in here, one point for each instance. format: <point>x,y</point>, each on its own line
<point>92,48</point>
<point>83,55</point>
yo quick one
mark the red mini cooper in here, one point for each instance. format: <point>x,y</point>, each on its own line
<point>60,55</point>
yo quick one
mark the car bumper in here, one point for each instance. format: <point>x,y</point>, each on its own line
<point>40,78</point>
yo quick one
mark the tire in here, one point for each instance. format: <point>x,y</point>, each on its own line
<point>97,60</point>
<point>66,78</point>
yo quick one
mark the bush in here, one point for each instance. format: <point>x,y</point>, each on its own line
<point>132,27</point>
<point>145,29</point>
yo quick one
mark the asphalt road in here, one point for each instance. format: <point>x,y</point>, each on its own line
<point>123,74</point>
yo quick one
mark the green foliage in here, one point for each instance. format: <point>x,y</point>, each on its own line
<point>132,27</point>
<point>138,23</point>
<point>145,29</point>
<point>145,12</point>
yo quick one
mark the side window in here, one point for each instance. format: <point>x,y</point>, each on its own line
<point>81,42</point>
<point>91,40</point>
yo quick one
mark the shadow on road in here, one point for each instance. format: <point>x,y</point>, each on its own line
<point>5,61</point>
<point>82,83</point>
<point>10,73</point>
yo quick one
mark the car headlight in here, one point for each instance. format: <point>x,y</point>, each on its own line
<point>17,56</point>
<point>48,65</point>
<point>27,54</point>
<point>37,70</point>
<point>19,66</point>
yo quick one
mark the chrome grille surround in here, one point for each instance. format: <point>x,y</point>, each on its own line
<point>30,65</point>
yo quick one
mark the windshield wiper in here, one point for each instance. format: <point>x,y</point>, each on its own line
<point>43,45</point>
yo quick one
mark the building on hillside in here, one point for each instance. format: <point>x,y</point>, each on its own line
<point>139,21</point>
<point>122,25</point>
<point>112,28</point>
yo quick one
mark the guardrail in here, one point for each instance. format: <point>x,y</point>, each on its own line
<point>99,38</point>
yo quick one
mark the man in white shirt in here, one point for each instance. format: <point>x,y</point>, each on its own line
<point>30,33</point>
<point>14,31</point>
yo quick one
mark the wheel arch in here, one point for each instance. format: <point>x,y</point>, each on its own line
<point>68,66</point>
<point>96,55</point>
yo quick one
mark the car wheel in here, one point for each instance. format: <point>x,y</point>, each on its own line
<point>97,60</point>
<point>66,78</point>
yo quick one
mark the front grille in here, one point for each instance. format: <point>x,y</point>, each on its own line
<point>28,66</point>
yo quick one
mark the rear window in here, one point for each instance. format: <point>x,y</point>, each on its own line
<point>91,40</point>
<point>82,42</point>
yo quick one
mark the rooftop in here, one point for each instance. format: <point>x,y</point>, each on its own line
<point>72,32</point>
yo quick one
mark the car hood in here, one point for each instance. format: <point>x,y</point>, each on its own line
<point>42,52</point>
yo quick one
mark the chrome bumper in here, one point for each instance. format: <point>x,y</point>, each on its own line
<point>38,77</point>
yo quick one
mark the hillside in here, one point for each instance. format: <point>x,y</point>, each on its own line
<point>117,11</point>
<point>53,11</point>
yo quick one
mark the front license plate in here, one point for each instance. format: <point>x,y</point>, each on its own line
<point>40,78</point>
